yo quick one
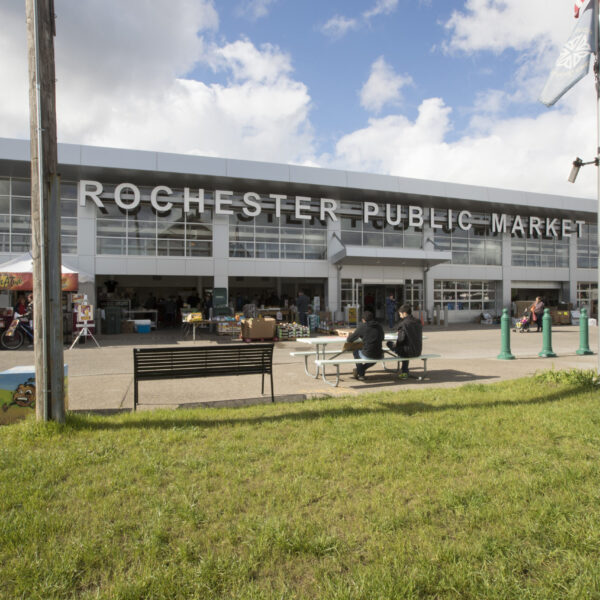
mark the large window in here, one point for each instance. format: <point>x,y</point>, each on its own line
<point>586,292</point>
<point>283,237</point>
<point>145,232</point>
<point>476,246</point>
<point>413,293</point>
<point>377,232</point>
<point>15,216</point>
<point>587,248</point>
<point>464,295</point>
<point>535,251</point>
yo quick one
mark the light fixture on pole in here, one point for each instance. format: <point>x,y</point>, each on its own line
<point>577,164</point>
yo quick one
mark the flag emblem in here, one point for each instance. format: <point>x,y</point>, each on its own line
<point>575,50</point>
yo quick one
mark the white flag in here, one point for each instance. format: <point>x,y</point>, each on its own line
<point>574,60</point>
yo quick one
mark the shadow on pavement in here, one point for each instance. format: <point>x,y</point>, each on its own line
<point>402,408</point>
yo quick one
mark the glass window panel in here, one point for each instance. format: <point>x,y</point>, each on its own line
<point>237,233</point>
<point>112,211</point>
<point>4,242</point>
<point>292,251</point>
<point>315,237</point>
<point>351,238</point>
<point>518,260</point>
<point>21,187</point>
<point>517,245</point>
<point>170,247</point>
<point>266,249</point>
<point>68,244</point>
<point>68,190</point>
<point>547,260</point>
<point>109,227</point>
<point>111,245</point>
<point>266,218</point>
<point>236,249</point>
<point>21,206</point>
<point>289,221</point>
<point>4,186</point>
<point>20,243</point>
<point>171,230</point>
<point>142,212</point>
<point>413,240</point>
<point>145,229</point>
<point>292,235</point>
<point>4,205</point>
<point>393,240</point>
<point>315,252</point>
<point>195,217</point>
<point>461,244</point>
<point>4,223</point>
<point>349,224</point>
<point>175,215</point>
<point>533,260</point>
<point>68,208</point>
<point>141,246</point>
<point>68,226</point>
<point>460,258</point>
<point>21,224</point>
<point>373,239</point>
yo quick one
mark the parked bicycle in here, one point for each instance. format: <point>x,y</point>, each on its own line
<point>17,332</point>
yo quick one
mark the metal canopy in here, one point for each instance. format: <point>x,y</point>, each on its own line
<point>393,257</point>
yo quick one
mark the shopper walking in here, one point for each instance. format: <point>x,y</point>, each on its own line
<point>537,312</point>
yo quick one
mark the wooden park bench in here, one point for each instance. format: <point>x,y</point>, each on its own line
<point>202,361</point>
<point>388,357</point>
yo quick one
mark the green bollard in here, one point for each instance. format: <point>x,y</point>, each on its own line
<point>505,353</point>
<point>547,335</point>
<point>584,346</point>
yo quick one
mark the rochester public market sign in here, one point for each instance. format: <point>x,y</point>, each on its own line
<point>128,197</point>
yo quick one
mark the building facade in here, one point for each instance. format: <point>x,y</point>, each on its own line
<point>174,224</point>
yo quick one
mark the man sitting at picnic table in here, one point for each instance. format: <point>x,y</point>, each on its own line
<point>372,336</point>
<point>410,338</point>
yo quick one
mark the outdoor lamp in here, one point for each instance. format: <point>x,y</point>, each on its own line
<point>577,164</point>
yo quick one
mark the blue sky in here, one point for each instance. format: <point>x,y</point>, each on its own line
<point>435,89</point>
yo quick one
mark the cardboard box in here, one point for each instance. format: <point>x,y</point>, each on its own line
<point>259,329</point>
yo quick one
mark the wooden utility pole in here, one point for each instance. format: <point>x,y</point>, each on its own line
<point>45,213</point>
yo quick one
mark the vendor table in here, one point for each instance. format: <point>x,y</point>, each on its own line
<point>143,313</point>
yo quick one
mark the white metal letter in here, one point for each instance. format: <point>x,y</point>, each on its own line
<point>187,200</point>
<point>534,224</point>
<point>415,216</point>
<point>300,205</point>
<point>328,206</point>
<point>154,198</point>
<point>278,198</point>
<point>461,215</point>
<point>517,224</point>
<point>94,194</point>
<point>136,196</point>
<point>498,224</point>
<point>220,200</point>
<point>580,225</point>
<point>550,227</point>
<point>566,228</point>
<point>432,222</point>
<point>252,199</point>
<point>370,209</point>
<point>388,215</point>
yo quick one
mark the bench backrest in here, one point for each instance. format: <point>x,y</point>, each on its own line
<point>198,361</point>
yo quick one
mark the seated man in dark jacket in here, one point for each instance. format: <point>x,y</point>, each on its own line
<point>372,336</point>
<point>410,338</point>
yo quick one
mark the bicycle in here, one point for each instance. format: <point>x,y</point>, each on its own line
<point>18,331</point>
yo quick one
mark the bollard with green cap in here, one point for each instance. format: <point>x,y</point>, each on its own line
<point>546,335</point>
<point>584,346</point>
<point>505,353</point>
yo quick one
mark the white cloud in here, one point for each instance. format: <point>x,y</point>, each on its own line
<point>382,7</point>
<point>338,26</point>
<point>255,9</point>
<point>121,71</point>
<point>382,87</point>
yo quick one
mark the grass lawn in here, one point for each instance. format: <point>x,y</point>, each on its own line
<point>485,491</point>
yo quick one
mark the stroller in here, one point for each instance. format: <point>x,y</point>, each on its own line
<point>522,324</point>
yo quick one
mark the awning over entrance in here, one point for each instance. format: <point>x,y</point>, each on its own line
<point>396,257</point>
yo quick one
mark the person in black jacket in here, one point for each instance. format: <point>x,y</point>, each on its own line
<point>410,338</point>
<point>372,336</point>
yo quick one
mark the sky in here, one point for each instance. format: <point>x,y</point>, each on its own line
<point>432,89</point>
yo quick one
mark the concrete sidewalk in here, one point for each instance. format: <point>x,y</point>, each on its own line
<point>101,379</point>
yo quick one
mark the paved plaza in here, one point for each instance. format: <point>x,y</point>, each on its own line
<point>101,379</point>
